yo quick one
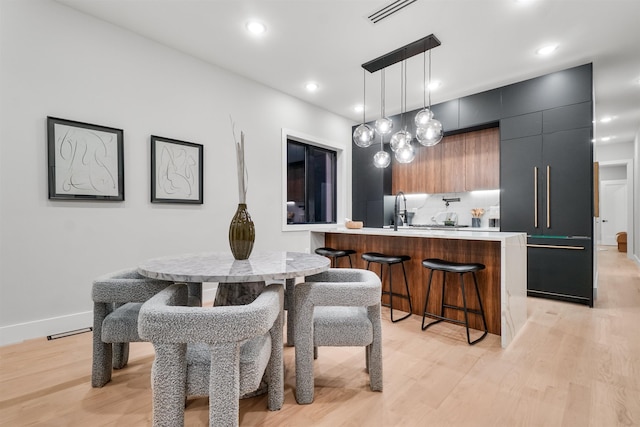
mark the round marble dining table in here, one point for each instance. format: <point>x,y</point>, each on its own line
<point>239,281</point>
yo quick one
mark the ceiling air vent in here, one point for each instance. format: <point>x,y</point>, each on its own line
<point>388,10</point>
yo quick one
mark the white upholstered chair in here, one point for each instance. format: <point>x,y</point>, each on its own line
<point>338,307</point>
<point>117,298</point>
<point>222,352</point>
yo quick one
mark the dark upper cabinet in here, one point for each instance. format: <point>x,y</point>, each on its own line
<point>558,89</point>
<point>521,126</point>
<point>447,114</point>
<point>546,184</point>
<point>569,117</point>
<point>481,108</point>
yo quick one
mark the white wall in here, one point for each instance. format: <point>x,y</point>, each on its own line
<point>57,62</point>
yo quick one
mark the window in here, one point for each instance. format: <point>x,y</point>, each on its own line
<point>311,184</point>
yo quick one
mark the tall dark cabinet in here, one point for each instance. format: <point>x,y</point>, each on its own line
<point>546,177</point>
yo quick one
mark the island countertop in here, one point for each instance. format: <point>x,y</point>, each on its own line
<point>503,284</point>
<point>463,234</point>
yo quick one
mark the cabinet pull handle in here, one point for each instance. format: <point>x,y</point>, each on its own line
<point>548,196</point>
<point>575,248</point>
<point>535,197</point>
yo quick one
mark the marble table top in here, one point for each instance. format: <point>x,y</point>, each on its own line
<point>223,268</point>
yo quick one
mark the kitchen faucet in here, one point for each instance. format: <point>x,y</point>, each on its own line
<point>396,214</point>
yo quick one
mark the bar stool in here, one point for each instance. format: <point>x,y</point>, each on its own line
<point>334,254</point>
<point>390,260</point>
<point>454,267</point>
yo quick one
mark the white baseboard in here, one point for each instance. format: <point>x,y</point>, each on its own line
<point>42,328</point>
<point>56,325</point>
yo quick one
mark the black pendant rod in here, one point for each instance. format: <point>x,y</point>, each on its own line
<point>400,54</point>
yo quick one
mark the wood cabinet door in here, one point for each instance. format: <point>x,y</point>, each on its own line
<point>423,175</point>
<point>453,164</point>
<point>482,159</point>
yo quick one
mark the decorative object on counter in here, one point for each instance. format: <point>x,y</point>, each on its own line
<point>363,135</point>
<point>430,130</point>
<point>353,224</point>
<point>476,213</point>
<point>494,216</point>
<point>242,233</point>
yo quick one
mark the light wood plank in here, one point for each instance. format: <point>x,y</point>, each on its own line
<point>570,366</point>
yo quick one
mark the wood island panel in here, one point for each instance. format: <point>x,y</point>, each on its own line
<point>419,248</point>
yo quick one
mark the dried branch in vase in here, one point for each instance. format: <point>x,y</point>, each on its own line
<point>477,212</point>
<point>243,175</point>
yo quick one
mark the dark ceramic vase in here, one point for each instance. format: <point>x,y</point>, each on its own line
<point>242,233</point>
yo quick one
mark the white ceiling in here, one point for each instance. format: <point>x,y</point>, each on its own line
<point>485,44</point>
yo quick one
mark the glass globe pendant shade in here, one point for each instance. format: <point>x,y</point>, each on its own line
<point>384,125</point>
<point>422,117</point>
<point>363,135</point>
<point>381,159</point>
<point>429,134</point>
<point>405,154</point>
<point>400,139</point>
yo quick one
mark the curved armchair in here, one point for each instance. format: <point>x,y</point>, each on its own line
<point>117,298</point>
<point>338,307</point>
<point>222,352</point>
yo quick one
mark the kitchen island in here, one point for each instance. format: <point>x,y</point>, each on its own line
<point>503,284</point>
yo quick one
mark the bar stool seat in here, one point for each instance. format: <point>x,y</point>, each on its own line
<point>389,260</point>
<point>334,254</point>
<point>435,264</point>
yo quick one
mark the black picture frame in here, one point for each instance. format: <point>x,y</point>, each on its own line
<point>176,171</point>
<point>85,161</point>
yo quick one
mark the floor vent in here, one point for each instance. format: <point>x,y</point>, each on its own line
<point>68,334</point>
<point>388,10</point>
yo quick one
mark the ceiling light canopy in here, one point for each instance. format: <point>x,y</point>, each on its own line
<point>256,27</point>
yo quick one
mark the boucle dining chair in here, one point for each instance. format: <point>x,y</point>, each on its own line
<point>222,352</point>
<point>117,298</point>
<point>338,307</point>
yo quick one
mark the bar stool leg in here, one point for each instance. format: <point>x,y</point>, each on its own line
<point>464,305</point>
<point>350,264</point>
<point>406,286</point>
<point>426,302</point>
<point>391,294</point>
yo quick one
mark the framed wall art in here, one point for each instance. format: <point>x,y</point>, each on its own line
<point>176,171</point>
<point>85,161</point>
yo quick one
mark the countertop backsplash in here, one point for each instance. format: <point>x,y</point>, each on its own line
<point>427,206</point>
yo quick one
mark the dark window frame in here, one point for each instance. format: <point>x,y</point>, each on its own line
<point>312,206</point>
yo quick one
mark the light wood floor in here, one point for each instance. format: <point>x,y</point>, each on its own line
<point>570,366</point>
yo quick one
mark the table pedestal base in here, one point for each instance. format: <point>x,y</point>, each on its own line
<point>238,293</point>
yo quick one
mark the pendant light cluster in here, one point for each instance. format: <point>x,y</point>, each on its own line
<point>428,130</point>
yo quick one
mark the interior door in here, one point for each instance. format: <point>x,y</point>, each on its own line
<point>613,210</point>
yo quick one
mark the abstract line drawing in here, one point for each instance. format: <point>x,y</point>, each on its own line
<point>85,161</point>
<point>176,171</point>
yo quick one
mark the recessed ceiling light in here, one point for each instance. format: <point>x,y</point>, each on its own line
<point>358,108</point>
<point>312,86</point>
<point>606,119</point>
<point>434,85</point>
<point>256,27</point>
<point>547,50</point>
<point>606,138</point>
